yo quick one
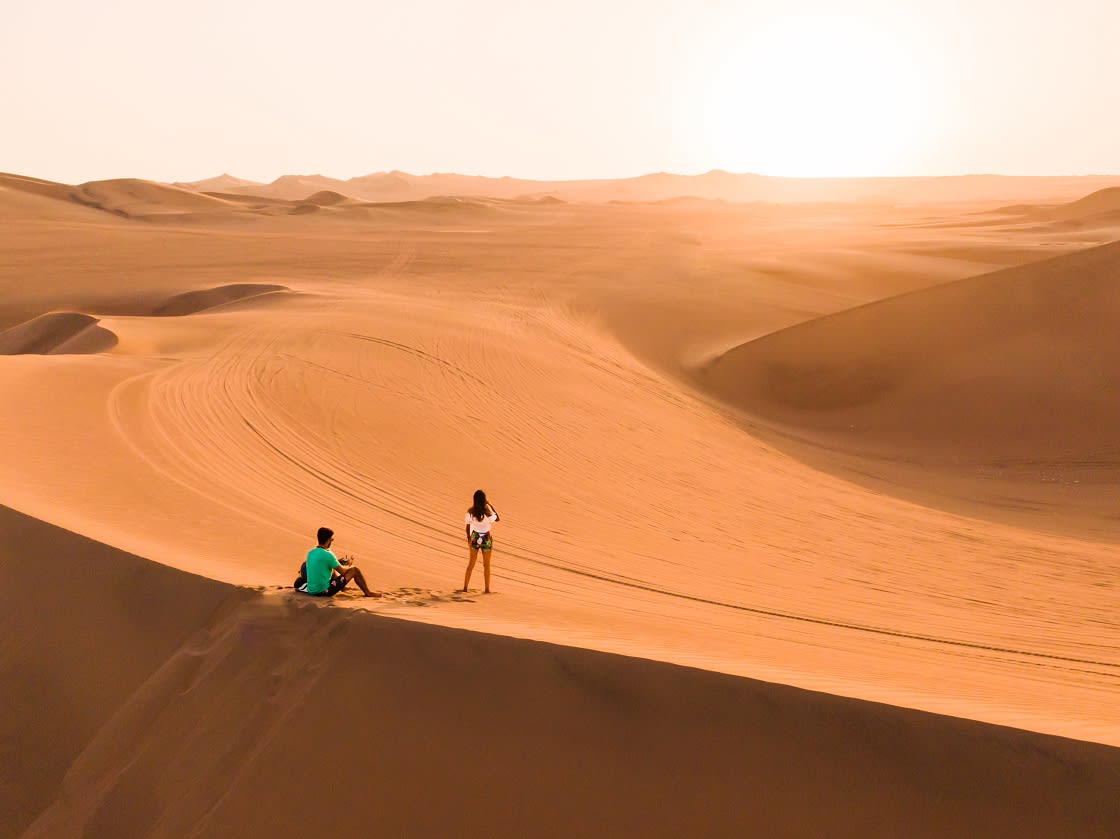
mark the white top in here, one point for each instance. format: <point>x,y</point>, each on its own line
<point>481,526</point>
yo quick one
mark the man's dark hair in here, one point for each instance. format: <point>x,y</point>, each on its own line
<point>324,534</point>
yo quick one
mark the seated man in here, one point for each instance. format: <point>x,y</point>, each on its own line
<point>324,579</point>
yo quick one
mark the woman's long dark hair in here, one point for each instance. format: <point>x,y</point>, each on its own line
<point>478,508</point>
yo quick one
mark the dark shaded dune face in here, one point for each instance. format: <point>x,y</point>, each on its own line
<point>1109,220</point>
<point>541,200</point>
<point>441,205</point>
<point>248,199</point>
<point>1098,205</point>
<point>57,333</point>
<point>1012,368</point>
<point>191,302</point>
<point>1102,201</point>
<point>326,198</point>
<point>131,198</point>
<point>33,198</point>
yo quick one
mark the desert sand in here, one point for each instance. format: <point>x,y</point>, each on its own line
<point>807,493</point>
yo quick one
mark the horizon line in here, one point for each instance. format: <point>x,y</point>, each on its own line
<point>662,173</point>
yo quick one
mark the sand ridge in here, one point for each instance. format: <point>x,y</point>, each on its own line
<point>57,333</point>
<point>220,703</point>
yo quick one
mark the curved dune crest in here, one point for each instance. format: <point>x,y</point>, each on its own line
<point>132,197</point>
<point>36,186</point>
<point>1015,366</point>
<point>216,184</point>
<point>326,198</point>
<point>1100,208</point>
<point>1102,201</point>
<point>24,198</point>
<point>57,333</point>
<point>192,302</point>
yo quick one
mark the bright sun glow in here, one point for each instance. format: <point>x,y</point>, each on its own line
<point>816,97</point>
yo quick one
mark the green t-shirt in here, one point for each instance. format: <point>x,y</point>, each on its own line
<point>320,561</point>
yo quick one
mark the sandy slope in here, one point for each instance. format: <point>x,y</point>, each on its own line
<point>1004,378</point>
<point>224,707</point>
<point>369,367</point>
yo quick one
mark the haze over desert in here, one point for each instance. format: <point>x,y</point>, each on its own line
<point>782,335</point>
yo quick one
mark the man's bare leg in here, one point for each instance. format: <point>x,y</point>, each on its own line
<point>355,574</point>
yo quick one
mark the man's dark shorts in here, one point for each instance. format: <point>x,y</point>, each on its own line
<point>336,585</point>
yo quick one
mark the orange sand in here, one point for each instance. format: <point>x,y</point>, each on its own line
<point>859,449</point>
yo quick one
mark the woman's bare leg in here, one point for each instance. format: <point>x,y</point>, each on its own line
<point>470,568</point>
<point>486,569</point>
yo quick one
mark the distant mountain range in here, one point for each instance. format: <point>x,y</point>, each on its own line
<point>714,185</point>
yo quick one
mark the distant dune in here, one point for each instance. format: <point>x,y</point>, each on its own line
<point>294,187</point>
<point>57,333</point>
<point>136,198</point>
<point>326,198</point>
<point>1099,210</point>
<point>1101,201</point>
<point>229,197</point>
<point>36,186</point>
<point>1014,367</point>
<point>23,199</point>
<point>441,205</point>
<point>192,302</point>
<point>217,184</point>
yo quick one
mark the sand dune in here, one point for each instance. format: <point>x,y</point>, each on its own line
<point>213,724</point>
<point>1099,211</point>
<point>326,198</point>
<point>25,199</point>
<point>1001,367</point>
<point>258,201</point>
<point>134,198</point>
<point>36,186</point>
<point>441,205</point>
<point>549,353</point>
<point>114,620</point>
<point>1100,202</point>
<point>57,333</point>
<point>1006,375</point>
<point>191,302</point>
<point>217,184</point>
<point>294,187</point>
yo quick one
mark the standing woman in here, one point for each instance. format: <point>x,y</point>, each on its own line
<point>481,516</point>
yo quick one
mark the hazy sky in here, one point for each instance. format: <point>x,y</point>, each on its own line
<point>174,90</point>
